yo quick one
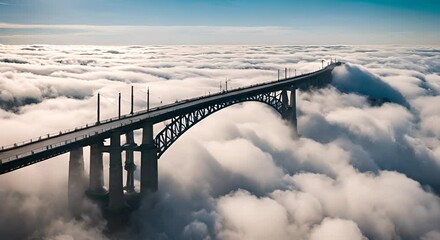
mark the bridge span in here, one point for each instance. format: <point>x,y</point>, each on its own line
<point>279,94</point>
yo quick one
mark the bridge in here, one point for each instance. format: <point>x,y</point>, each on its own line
<point>279,94</point>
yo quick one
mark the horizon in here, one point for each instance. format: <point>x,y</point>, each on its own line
<point>272,45</point>
<point>233,22</point>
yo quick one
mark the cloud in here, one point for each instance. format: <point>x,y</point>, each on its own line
<point>376,210</point>
<point>363,167</point>
<point>247,217</point>
<point>337,229</point>
<point>354,79</point>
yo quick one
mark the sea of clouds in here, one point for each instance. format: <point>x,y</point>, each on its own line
<point>367,164</point>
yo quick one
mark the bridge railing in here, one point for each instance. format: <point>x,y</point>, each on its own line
<point>46,136</point>
<point>26,153</point>
<point>62,132</point>
<point>234,89</point>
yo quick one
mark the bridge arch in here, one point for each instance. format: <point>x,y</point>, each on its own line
<point>180,124</point>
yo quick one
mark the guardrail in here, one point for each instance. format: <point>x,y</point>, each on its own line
<point>62,143</point>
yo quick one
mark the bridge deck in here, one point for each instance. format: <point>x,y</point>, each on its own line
<point>64,142</point>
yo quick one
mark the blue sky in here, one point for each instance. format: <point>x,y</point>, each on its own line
<point>220,22</point>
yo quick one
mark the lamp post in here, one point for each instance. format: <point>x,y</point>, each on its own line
<point>226,84</point>
<point>98,109</point>
<point>132,100</point>
<point>148,99</point>
<point>119,105</point>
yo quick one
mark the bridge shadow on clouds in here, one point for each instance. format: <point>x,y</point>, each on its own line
<point>354,79</point>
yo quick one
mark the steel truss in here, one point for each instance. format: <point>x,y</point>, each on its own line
<point>180,124</point>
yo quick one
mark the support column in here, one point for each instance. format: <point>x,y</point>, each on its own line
<point>116,200</point>
<point>96,183</point>
<point>284,98</point>
<point>285,102</point>
<point>149,167</point>
<point>292,106</point>
<point>77,181</point>
<point>130,167</point>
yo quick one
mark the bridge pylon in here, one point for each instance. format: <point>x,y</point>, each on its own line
<point>116,200</point>
<point>130,167</point>
<point>149,164</point>
<point>292,111</point>
<point>96,176</point>
<point>76,181</point>
<point>289,103</point>
<point>284,98</point>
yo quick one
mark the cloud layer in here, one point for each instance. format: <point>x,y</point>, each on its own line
<point>366,166</point>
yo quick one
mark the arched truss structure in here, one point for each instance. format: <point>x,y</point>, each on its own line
<point>179,125</point>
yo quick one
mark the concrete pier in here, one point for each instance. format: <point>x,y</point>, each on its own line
<point>284,98</point>
<point>96,181</point>
<point>130,167</point>
<point>116,200</point>
<point>149,166</point>
<point>76,181</point>
<point>292,112</point>
<point>285,102</point>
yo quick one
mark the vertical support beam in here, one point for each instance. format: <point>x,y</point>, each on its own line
<point>130,167</point>
<point>292,106</point>
<point>149,166</point>
<point>98,108</point>
<point>116,200</point>
<point>77,181</point>
<point>284,98</point>
<point>132,100</point>
<point>285,102</point>
<point>96,181</point>
<point>148,99</point>
<point>285,73</point>
<point>119,105</point>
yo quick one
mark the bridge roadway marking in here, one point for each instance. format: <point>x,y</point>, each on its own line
<point>14,153</point>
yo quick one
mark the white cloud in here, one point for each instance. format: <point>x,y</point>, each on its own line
<point>337,229</point>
